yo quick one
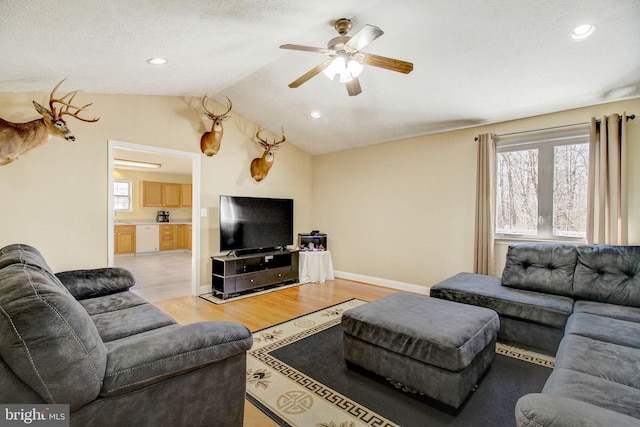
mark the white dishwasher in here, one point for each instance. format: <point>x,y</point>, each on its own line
<point>147,238</point>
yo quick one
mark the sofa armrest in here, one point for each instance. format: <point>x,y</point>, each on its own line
<point>138,363</point>
<point>83,284</point>
<point>541,410</point>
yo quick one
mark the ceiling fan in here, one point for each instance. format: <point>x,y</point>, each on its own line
<point>345,59</point>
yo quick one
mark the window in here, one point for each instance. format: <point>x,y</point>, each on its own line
<point>122,195</point>
<point>541,186</point>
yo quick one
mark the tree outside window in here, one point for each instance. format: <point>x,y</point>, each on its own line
<point>541,188</point>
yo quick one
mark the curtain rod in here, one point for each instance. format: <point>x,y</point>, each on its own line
<point>629,117</point>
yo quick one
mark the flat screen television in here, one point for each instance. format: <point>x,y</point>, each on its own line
<point>254,223</point>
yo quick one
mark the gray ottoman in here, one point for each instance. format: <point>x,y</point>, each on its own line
<point>439,348</point>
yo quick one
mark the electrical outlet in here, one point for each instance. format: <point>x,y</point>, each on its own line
<point>203,212</point>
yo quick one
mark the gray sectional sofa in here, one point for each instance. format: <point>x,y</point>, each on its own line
<point>581,303</point>
<point>82,338</point>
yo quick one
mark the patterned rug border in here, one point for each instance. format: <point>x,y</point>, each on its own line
<point>287,395</point>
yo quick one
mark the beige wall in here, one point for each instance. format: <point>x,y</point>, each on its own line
<point>401,211</point>
<point>55,197</point>
<point>404,211</point>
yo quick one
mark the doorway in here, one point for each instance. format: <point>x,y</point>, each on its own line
<point>192,162</point>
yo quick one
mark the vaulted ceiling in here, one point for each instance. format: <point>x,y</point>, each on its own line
<point>475,62</point>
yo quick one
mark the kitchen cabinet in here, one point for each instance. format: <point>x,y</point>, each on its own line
<point>151,193</point>
<point>187,236</point>
<point>124,239</point>
<point>185,195</point>
<point>175,236</point>
<point>165,194</point>
<point>167,237</point>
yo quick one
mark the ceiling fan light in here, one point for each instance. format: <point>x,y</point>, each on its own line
<point>336,67</point>
<point>329,72</point>
<point>355,68</point>
<point>345,76</point>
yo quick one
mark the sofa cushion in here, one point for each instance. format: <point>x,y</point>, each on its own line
<point>622,312</point>
<point>541,267</point>
<point>96,282</point>
<point>596,391</point>
<point>546,410</point>
<point>113,302</point>
<point>606,329</point>
<point>115,325</point>
<point>149,359</point>
<point>613,362</point>
<point>22,254</point>
<point>47,338</point>
<point>608,274</point>
<point>486,291</point>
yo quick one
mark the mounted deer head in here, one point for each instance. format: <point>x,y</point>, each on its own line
<point>210,141</point>
<point>18,138</point>
<point>260,166</point>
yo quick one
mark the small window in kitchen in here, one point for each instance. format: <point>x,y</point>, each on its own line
<point>123,195</point>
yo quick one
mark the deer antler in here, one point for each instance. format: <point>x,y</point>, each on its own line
<point>265,143</point>
<point>211,114</point>
<point>66,105</point>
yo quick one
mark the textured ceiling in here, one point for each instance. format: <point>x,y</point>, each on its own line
<point>475,62</point>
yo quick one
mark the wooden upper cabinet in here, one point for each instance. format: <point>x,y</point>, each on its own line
<point>165,194</point>
<point>185,195</point>
<point>170,195</point>
<point>151,194</point>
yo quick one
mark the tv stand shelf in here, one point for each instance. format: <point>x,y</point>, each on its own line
<point>236,275</point>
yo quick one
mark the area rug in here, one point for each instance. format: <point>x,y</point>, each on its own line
<point>212,298</point>
<point>296,375</point>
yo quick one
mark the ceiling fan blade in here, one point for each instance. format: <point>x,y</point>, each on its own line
<point>305,48</point>
<point>387,63</point>
<point>312,72</point>
<point>366,35</point>
<point>353,87</point>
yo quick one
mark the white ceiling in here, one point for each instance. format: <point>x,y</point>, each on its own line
<point>475,61</point>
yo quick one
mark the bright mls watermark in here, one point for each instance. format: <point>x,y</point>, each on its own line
<point>34,415</point>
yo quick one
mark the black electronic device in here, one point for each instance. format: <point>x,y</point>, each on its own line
<point>254,224</point>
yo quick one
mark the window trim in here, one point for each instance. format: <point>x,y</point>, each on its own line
<point>129,182</point>
<point>545,142</point>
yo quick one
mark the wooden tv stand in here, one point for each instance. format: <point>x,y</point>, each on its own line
<point>236,275</point>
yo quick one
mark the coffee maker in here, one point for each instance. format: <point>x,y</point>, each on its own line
<point>163,216</point>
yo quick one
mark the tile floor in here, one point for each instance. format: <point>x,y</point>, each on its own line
<point>159,276</point>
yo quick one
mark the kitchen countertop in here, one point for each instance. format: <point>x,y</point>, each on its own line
<point>149,221</point>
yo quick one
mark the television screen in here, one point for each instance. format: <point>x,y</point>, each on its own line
<point>255,223</point>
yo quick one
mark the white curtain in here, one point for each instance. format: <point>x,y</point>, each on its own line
<point>484,253</point>
<point>607,218</point>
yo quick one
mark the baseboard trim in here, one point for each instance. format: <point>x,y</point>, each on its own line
<point>393,284</point>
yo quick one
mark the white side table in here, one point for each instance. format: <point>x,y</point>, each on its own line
<point>315,266</point>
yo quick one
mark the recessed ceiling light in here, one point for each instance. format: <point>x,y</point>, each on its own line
<point>316,114</point>
<point>157,61</point>
<point>581,32</point>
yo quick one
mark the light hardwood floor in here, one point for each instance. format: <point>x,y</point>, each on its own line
<point>262,311</point>
<point>159,276</point>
